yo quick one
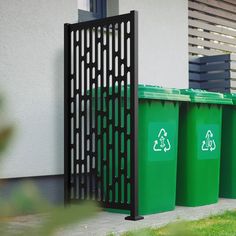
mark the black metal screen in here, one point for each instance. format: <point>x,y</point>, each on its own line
<point>101,112</point>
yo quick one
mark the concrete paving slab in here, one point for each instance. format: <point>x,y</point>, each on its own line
<point>105,222</point>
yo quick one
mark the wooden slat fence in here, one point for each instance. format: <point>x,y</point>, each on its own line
<point>213,73</point>
<point>212,27</point>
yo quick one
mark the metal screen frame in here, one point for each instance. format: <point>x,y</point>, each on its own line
<point>101,112</point>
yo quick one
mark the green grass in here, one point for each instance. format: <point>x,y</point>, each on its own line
<point>218,225</point>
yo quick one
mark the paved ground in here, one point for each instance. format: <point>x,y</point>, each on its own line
<point>17,224</point>
<point>105,223</point>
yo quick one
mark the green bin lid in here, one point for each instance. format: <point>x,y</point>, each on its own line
<point>231,96</point>
<point>160,93</point>
<point>157,93</point>
<point>202,96</point>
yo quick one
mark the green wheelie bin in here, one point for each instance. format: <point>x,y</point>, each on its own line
<point>228,150</point>
<point>157,148</point>
<point>199,148</point>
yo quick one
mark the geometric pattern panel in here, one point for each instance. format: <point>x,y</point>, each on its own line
<point>101,111</point>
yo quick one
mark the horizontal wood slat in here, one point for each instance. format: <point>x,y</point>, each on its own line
<point>214,67</point>
<point>215,76</point>
<point>212,19</point>
<point>210,44</point>
<point>194,67</point>
<point>202,51</point>
<point>209,27</point>
<point>212,36</point>
<point>218,58</point>
<point>230,1</point>
<point>219,4</point>
<point>213,11</point>
<point>212,27</point>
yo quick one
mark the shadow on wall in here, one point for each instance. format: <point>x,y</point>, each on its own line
<point>59,108</point>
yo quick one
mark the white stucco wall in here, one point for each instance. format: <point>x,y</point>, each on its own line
<point>31,71</point>
<point>163,41</point>
<point>31,77</point>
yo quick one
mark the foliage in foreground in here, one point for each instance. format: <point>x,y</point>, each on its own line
<point>6,129</point>
<point>26,199</point>
<point>218,225</point>
<point>51,222</point>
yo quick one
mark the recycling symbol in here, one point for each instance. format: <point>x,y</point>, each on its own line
<point>208,144</point>
<point>162,143</point>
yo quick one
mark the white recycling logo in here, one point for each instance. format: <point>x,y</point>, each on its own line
<point>162,143</point>
<point>208,144</point>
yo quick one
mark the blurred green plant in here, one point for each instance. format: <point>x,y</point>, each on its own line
<point>6,130</point>
<point>55,220</point>
<point>26,199</point>
<point>5,135</point>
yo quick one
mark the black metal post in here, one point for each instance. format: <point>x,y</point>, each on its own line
<point>134,137</point>
<point>67,166</point>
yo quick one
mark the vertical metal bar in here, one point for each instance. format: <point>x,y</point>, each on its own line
<point>119,113</point>
<point>107,113</point>
<point>134,114</point>
<point>125,120</point>
<point>91,177</point>
<point>80,117</point>
<point>102,109</point>
<point>98,158</point>
<point>67,135</point>
<point>85,116</point>
<point>74,115</point>
<point>113,116</point>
